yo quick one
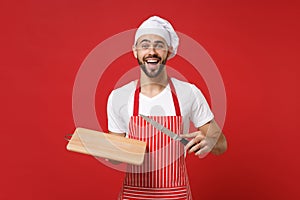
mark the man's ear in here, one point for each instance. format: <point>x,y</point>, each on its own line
<point>134,51</point>
<point>170,51</point>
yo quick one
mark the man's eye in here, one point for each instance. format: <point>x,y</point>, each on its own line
<point>160,46</point>
<point>145,46</point>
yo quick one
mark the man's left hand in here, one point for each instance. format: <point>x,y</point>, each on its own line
<point>201,145</point>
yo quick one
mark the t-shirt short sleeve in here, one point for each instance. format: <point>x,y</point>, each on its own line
<point>200,113</point>
<point>115,123</point>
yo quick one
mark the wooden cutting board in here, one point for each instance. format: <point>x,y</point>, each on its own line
<point>109,146</point>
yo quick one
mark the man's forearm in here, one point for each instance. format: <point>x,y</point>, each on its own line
<point>221,145</point>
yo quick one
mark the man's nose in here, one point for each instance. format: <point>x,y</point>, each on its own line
<point>152,50</point>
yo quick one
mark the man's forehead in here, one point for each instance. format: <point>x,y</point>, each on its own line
<point>151,38</point>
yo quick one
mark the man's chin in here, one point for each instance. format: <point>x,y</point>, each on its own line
<point>152,73</point>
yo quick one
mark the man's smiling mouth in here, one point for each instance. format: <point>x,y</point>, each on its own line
<point>152,61</point>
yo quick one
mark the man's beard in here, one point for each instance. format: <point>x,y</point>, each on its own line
<point>152,74</point>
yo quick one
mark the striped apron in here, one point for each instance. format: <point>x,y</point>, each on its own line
<point>163,174</point>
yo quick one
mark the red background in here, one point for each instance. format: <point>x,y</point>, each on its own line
<point>255,45</point>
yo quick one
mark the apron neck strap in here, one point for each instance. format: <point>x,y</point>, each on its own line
<point>137,98</point>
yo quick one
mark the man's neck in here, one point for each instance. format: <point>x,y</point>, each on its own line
<point>151,87</point>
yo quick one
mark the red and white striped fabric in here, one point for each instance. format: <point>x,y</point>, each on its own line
<point>163,174</point>
<point>176,193</point>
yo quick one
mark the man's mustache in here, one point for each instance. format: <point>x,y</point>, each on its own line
<point>152,56</point>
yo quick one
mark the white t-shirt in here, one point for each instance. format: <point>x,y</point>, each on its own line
<point>193,105</point>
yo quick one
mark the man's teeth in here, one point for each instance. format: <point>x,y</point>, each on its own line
<point>152,61</point>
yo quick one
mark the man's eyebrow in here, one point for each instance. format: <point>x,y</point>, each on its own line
<point>156,41</point>
<point>159,41</point>
<point>144,40</point>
